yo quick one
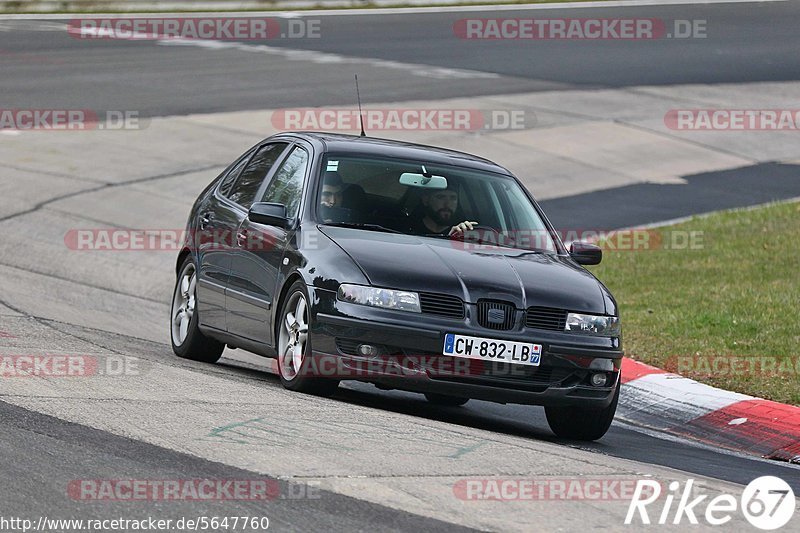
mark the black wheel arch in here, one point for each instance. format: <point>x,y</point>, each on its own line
<point>287,283</point>
<point>181,258</point>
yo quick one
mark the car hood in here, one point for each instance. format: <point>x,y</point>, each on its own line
<point>444,266</point>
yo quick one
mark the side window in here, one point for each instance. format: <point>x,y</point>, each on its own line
<point>287,186</point>
<point>245,189</point>
<point>230,177</point>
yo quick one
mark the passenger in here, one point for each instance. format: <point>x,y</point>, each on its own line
<point>332,187</point>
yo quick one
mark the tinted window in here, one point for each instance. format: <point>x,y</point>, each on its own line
<point>287,185</point>
<point>246,187</point>
<point>230,177</point>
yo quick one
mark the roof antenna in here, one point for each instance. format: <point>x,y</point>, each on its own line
<point>360,114</point>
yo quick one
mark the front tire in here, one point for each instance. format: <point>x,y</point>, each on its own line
<point>295,366</point>
<point>187,340</point>
<point>580,423</point>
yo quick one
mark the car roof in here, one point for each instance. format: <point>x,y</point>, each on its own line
<point>354,144</point>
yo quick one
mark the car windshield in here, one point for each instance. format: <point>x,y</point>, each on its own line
<point>368,193</point>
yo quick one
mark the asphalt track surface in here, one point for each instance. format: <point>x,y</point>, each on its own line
<point>744,43</point>
<point>35,448</point>
<point>747,42</point>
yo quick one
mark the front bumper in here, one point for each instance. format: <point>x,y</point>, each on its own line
<point>410,357</point>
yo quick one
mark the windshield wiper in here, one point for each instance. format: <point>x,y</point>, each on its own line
<point>369,227</point>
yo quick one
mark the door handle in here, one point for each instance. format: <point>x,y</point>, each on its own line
<point>205,220</point>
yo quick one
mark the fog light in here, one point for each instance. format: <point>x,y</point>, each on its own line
<point>598,380</point>
<point>367,350</point>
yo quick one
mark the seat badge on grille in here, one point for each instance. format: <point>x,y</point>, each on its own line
<point>496,316</point>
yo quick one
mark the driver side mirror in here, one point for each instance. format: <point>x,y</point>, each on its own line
<point>268,213</point>
<point>585,253</point>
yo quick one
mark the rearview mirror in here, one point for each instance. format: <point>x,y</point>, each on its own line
<point>585,253</point>
<point>268,213</point>
<point>427,181</point>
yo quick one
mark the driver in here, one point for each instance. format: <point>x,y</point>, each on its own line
<point>439,209</point>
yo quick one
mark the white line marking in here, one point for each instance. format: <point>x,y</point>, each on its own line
<point>30,25</point>
<point>424,71</point>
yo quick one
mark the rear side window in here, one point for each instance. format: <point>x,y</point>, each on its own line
<point>230,177</point>
<point>244,190</point>
<point>287,186</point>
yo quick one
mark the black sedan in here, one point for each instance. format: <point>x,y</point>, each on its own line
<point>406,266</point>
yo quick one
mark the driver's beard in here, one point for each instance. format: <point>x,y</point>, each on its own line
<point>437,216</point>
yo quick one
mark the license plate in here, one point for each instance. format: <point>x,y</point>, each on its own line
<point>520,353</point>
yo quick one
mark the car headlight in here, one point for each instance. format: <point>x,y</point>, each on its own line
<point>377,297</point>
<point>593,324</point>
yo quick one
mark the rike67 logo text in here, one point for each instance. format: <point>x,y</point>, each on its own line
<point>767,503</point>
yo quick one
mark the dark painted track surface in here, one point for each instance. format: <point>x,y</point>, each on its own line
<point>641,204</point>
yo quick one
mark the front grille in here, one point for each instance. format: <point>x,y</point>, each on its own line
<point>549,318</point>
<point>496,315</point>
<point>442,305</point>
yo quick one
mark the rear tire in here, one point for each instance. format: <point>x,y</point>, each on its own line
<point>186,338</point>
<point>580,423</point>
<point>445,401</point>
<point>295,366</point>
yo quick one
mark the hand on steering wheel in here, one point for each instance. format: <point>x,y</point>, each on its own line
<point>459,229</point>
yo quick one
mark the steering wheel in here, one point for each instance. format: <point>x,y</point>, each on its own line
<point>478,230</point>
